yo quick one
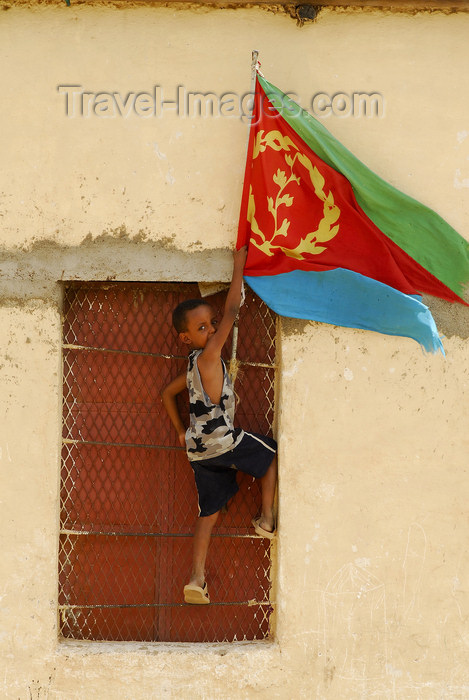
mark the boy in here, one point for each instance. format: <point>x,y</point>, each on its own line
<point>215,448</point>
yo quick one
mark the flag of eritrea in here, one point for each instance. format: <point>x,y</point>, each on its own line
<point>331,241</point>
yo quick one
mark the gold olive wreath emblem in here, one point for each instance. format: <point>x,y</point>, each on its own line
<point>311,242</point>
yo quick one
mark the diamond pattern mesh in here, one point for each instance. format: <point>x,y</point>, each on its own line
<point>128,500</point>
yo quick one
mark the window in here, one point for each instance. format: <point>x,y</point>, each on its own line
<point>128,502</point>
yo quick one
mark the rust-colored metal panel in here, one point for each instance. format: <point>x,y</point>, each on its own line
<point>112,570</point>
<point>120,488</point>
<point>120,623</point>
<point>254,386</point>
<point>128,499</point>
<point>218,622</point>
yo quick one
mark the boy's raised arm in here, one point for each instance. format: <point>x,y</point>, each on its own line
<point>232,304</point>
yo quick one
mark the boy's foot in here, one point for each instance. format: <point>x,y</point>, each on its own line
<point>270,534</point>
<point>196,595</point>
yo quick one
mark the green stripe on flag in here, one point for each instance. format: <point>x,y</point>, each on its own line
<point>418,230</point>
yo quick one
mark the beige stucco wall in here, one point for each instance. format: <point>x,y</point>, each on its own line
<point>372,572</point>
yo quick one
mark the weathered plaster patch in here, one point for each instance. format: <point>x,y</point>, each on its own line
<point>170,179</point>
<point>325,492</point>
<point>161,156</point>
<point>460,183</point>
<point>294,326</point>
<point>293,370</point>
<point>202,7</point>
<point>214,5</point>
<point>34,271</point>
<point>363,562</point>
<point>451,319</point>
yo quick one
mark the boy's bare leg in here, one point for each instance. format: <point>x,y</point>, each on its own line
<point>203,530</point>
<point>268,484</point>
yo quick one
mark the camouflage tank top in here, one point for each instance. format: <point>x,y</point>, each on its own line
<point>211,431</point>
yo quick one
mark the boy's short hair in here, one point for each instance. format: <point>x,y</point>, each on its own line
<point>180,312</point>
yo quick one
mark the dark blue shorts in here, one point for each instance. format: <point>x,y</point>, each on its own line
<point>215,478</point>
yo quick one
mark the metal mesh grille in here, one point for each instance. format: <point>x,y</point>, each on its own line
<point>128,500</point>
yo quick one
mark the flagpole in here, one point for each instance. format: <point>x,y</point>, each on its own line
<point>254,64</point>
<point>234,364</point>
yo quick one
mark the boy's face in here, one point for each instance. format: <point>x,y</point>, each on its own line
<point>201,324</point>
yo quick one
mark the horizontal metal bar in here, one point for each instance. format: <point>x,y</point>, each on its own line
<point>69,441</point>
<point>102,533</point>
<point>89,348</point>
<point>257,364</point>
<point>69,346</point>
<point>248,603</point>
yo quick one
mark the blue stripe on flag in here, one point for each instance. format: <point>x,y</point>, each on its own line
<point>347,298</point>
